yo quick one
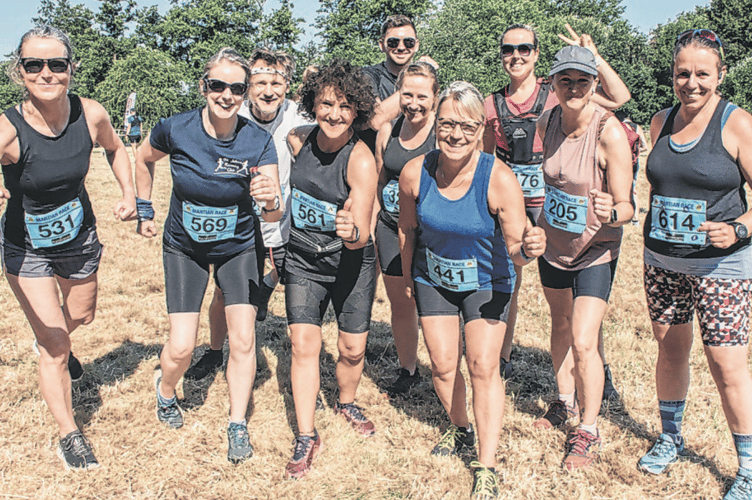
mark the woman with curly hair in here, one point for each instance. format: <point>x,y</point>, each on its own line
<point>330,256</point>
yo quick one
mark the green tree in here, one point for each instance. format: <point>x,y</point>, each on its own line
<point>731,20</point>
<point>10,93</point>
<point>281,29</point>
<point>737,84</point>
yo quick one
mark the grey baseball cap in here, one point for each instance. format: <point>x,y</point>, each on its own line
<point>574,57</point>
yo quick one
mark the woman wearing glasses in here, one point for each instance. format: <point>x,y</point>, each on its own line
<point>220,163</point>
<point>461,226</point>
<point>587,173</point>
<point>697,249</point>
<point>412,135</point>
<point>49,240</point>
<point>510,128</point>
<point>330,255</point>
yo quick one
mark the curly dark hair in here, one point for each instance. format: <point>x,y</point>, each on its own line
<point>345,79</point>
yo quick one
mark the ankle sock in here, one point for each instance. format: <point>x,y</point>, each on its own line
<point>743,444</point>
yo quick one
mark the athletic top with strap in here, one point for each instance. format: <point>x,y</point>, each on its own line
<point>47,183</point>
<point>460,246</point>
<point>318,182</point>
<point>691,185</point>
<point>395,158</point>
<point>575,238</point>
<point>211,210</point>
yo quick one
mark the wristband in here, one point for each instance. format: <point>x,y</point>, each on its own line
<point>357,236</point>
<point>524,255</point>
<point>276,206</point>
<point>144,210</point>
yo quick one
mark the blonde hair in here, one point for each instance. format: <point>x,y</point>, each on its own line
<point>420,68</point>
<point>467,98</point>
<point>230,55</point>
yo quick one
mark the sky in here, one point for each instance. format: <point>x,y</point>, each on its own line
<point>644,14</point>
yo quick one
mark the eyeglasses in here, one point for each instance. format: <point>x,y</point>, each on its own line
<point>447,126</point>
<point>237,88</point>
<point>56,64</point>
<point>393,42</point>
<point>524,49</point>
<point>702,33</point>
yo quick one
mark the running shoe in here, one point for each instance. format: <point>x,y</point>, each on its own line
<point>354,415</point>
<point>74,365</point>
<point>264,296</point>
<point>485,482</point>
<point>454,439</point>
<point>404,382</point>
<point>742,487</point>
<point>75,451</point>
<point>170,413</point>
<point>307,448</point>
<point>582,450</point>
<point>210,362</point>
<point>663,453</point>
<point>611,397</point>
<point>506,368</point>
<point>556,417</point>
<point>239,447</point>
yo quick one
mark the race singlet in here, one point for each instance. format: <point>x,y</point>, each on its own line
<point>676,220</point>
<point>206,224</point>
<point>530,178</point>
<point>56,227</point>
<point>565,211</point>
<point>311,213</point>
<point>390,195</point>
<point>454,275</point>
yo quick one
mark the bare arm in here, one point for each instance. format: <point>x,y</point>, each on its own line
<point>265,190</point>
<point>9,151</point>
<point>146,158</point>
<point>386,111</point>
<point>409,189</point>
<point>616,158</point>
<point>381,141</point>
<point>353,221</point>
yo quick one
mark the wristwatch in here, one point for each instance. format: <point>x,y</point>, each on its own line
<point>276,206</point>
<point>739,229</point>
<point>614,216</point>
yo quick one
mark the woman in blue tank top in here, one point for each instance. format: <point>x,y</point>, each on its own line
<point>223,167</point>
<point>49,241</point>
<point>697,249</point>
<point>462,226</point>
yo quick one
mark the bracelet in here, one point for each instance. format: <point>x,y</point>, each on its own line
<point>276,206</point>
<point>524,255</point>
<point>144,210</point>
<point>357,236</point>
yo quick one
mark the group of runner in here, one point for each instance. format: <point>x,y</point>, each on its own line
<point>459,192</point>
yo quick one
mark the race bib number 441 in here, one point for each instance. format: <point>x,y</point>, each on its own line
<point>56,227</point>
<point>565,211</point>
<point>677,220</point>
<point>207,224</point>
<point>311,213</point>
<point>455,275</point>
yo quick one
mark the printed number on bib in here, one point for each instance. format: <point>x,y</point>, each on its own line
<point>311,213</point>
<point>207,224</point>
<point>565,211</point>
<point>677,220</point>
<point>455,275</point>
<point>56,227</point>
<point>390,195</point>
<point>530,178</point>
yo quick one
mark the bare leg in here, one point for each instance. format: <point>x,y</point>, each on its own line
<point>352,349</point>
<point>404,322</point>
<point>241,366</point>
<point>304,373</point>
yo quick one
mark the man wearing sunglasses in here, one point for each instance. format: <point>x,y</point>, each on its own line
<point>399,42</point>
<point>268,107</point>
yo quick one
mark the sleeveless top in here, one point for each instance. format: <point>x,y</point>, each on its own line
<point>395,158</point>
<point>703,183</point>
<point>459,244</point>
<point>575,239</point>
<point>319,188</point>
<point>49,205</point>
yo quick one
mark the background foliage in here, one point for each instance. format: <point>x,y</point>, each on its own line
<point>122,47</point>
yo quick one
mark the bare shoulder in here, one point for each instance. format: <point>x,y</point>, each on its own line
<point>94,111</point>
<point>656,123</point>
<point>501,173</point>
<point>297,136</point>
<point>361,157</point>
<point>612,131</point>
<point>411,170</point>
<point>740,123</point>
<point>8,141</point>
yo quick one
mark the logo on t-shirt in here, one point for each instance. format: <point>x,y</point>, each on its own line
<point>230,167</point>
<point>519,133</point>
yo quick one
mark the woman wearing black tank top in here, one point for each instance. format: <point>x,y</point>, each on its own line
<point>698,253</point>
<point>411,136</point>
<point>49,242</point>
<point>330,256</point>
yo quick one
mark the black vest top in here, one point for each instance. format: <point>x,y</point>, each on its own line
<point>519,130</point>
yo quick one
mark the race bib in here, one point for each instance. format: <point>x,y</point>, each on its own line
<point>56,227</point>
<point>530,178</point>
<point>390,195</point>
<point>565,211</point>
<point>206,224</point>
<point>313,214</point>
<point>676,220</point>
<point>454,275</point>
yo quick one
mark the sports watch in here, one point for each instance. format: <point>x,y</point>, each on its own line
<point>739,229</point>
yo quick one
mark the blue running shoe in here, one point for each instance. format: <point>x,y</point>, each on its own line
<point>663,453</point>
<point>239,448</point>
<point>742,487</point>
<point>168,411</point>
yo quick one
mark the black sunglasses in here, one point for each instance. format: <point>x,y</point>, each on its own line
<point>525,49</point>
<point>237,88</point>
<point>34,65</point>
<point>393,42</point>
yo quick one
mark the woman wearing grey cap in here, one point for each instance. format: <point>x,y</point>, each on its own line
<point>588,178</point>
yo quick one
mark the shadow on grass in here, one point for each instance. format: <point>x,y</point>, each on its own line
<point>107,370</point>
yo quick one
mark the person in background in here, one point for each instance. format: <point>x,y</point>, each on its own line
<point>133,130</point>
<point>49,243</point>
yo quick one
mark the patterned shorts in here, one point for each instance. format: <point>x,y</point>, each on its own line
<point>723,305</point>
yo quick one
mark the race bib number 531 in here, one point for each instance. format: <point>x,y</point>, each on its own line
<point>56,227</point>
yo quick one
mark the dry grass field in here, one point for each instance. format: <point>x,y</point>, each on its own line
<point>142,459</point>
